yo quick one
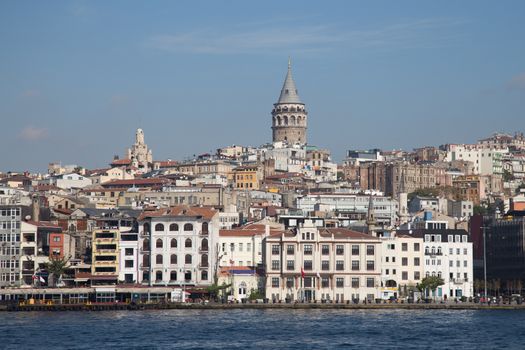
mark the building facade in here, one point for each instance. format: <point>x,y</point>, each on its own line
<point>322,264</point>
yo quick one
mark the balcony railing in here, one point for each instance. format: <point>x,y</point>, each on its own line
<point>144,266</point>
<point>204,266</point>
<point>203,249</point>
<point>433,253</point>
<point>144,250</point>
<point>204,233</point>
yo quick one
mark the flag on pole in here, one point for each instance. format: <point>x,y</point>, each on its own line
<point>42,280</point>
<point>302,272</point>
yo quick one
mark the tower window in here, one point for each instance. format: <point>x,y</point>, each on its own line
<point>286,91</point>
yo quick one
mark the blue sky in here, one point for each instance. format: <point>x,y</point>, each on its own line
<point>78,77</point>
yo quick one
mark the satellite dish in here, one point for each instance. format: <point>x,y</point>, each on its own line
<point>28,217</point>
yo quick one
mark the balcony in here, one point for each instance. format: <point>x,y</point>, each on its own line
<point>204,266</point>
<point>460,280</point>
<point>203,233</point>
<point>144,234</point>
<point>144,267</point>
<point>203,249</point>
<point>144,250</point>
<point>433,254</point>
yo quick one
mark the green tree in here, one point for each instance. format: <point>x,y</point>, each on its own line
<point>255,294</point>
<point>216,289</point>
<point>56,268</point>
<point>480,210</point>
<point>431,283</point>
<point>507,176</point>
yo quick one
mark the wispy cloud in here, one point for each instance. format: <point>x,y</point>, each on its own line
<point>426,33</point>
<point>517,82</point>
<point>31,93</point>
<point>31,133</point>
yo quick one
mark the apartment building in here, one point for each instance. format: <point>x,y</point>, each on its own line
<point>178,246</point>
<point>105,256</point>
<point>322,264</point>
<point>401,265</point>
<point>10,225</point>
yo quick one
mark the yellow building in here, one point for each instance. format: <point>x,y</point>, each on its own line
<point>247,177</point>
<point>105,257</point>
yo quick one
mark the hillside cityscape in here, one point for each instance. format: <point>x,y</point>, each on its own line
<point>276,223</point>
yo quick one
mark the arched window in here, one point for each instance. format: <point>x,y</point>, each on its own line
<point>187,243</point>
<point>187,259</point>
<point>145,245</point>
<point>145,260</point>
<point>145,227</point>
<point>278,120</point>
<point>427,274</point>
<point>204,260</point>
<point>173,275</point>
<point>426,250</point>
<point>204,244</point>
<point>174,227</point>
<point>433,273</point>
<point>204,275</point>
<point>174,243</point>
<point>285,120</point>
<point>439,250</point>
<point>173,259</point>
<point>158,244</point>
<point>205,228</point>
<point>158,276</point>
<point>433,250</point>
<point>188,227</point>
<point>292,120</point>
<point>158,259</point>
<point>312,235</point>
<point>159,227</point>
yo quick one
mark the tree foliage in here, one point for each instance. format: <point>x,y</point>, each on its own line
<point>56,267</point>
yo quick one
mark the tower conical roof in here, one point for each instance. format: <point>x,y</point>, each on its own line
<point>289,91</point>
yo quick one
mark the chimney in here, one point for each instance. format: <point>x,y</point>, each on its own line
<point>36,208</point>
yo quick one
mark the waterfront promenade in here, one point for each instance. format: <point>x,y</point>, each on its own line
<point>283,306</point>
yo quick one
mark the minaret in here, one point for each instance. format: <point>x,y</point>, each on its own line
<point>289,116</point>
<point>370,218</point>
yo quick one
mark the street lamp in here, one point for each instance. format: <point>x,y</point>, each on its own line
<point>485,260</point>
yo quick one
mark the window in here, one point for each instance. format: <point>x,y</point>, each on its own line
<point>308,282</point>
<point>325,249</point>
<point>416,247</point>
<point>308,248</point>
<point>275,264</point>
<point>128,263</point>
<point>173,243</point>
<point>450,251</point>
<point>159,227</point>
<point>325,265</point>
<point>355,249</point>
<point>404,261</point>
<point>128,251</point>
<point>458,251</point>
<point>308,265</point>
<point>187,259</point>
<point>173,259</point>
<point>404,247</point>
<point>56,239</point>
<point>158,276</point>
<point>340,282</point>
<point>404,275</point>
<point>339,249</point>
<point>339,265</point>
<point>188,227</point>
<point>417,275</point>
<point>174,227</point>
<point>370,250</point>
<point>325,282</point>
<point>275,249</point>
<point>464,251</point>
<point>370,266</point>
<point>464,263</point>
<point>289,282</point>
<point>464,238</point>
<point>355,282</point>
<point>187,243</point>
<point>290,265</point>
<point>248,247</point>
<point>290,249</point>
<point>416,262</point>
<point>240,247</point>
<point>158,259</point>
<point>451,263</point>
<point>158,243</point>
<point>232,247</point>
<point>355,265</point>
<point>173,275</point>
<point>275,282</point>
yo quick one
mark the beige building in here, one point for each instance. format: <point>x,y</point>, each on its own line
<point>105,256</point>
<point>322,264</point>
<point>402,265</point>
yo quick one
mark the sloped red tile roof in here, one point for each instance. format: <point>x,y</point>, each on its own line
<point>181,210</point>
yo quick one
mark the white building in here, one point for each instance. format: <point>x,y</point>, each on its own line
<point>178,246</point>
<point>448,254</point>
<point>68,181</point>
<point>401,265</point>
<point>487,159</point>
<point>322,264</point>
<point>129,257</point>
